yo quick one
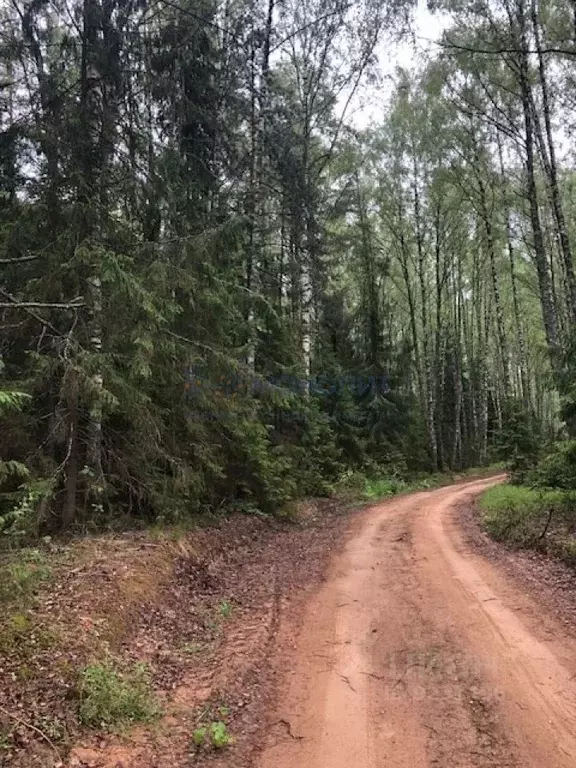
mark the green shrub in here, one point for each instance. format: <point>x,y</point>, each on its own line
<point>557,469</point>
<point>520,515</point>
<point>110,698</point>
<point>519,442</point>
<point>383,487</point>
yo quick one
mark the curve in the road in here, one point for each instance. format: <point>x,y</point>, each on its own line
<point>418,653</point>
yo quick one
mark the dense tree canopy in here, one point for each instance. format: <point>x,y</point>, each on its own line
<point>215,290</point>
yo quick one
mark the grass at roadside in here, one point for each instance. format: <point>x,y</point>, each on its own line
<point>376,488</point>
<point>531,518</point>
<point>111,698</point>
<point>21,573</point>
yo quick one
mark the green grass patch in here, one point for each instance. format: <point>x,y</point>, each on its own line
<point>517,514</point>
<point>536,518</point>
<point>378,487</point>
<point>383,487</point>
<point>111,698</point>
<point>21,574</point>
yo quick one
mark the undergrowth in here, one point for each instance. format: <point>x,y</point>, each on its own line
<point>212,732</point>
<point>21,574</point>
<point>537,518</point>
<point>377,487</point>
<point>111,698</point>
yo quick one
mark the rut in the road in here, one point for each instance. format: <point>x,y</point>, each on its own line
<point>412,656</point>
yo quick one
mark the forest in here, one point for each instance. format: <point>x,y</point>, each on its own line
<point>219,289</point>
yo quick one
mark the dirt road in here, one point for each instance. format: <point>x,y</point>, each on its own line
<point>417,652</point>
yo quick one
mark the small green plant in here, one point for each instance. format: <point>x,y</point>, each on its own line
<point>13,633</point>
<point>220,735</point>
<point>225,609</point>
<point>19,623</point>
<point>110,698</point>
<point>199,736</point>
<point>214,736</point>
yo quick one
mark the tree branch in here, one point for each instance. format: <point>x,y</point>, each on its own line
<point>16,305</point>
<point>500,51</point>
<point>19,260</point>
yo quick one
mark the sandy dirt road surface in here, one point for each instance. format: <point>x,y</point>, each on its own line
<point>417,652</point>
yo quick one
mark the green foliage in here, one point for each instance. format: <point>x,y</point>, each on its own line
<point>111,698</point>
<point>12,400</point>
<point>534,518</point>
<point>219,735</point>
<point>382,487</point>
<point>557,469</point>
<point>197,223</point>
<point>21,637</point>
<point>15,498</point>
<point>214,736</point>
<point>199,736</point>
<point>516,514</point>
<point>519,442</point>
<point>21,574</point>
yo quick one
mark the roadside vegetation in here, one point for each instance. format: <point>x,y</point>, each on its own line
<point>111,698</point>
<point>537,508</point>
<point>381,486</point>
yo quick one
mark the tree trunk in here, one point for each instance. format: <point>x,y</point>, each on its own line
<point>542,267</point>
<point>427,378</point>
<point>71,464</point>
<point>373,310</point>
<point>552,173</point>
<point>91,185</point>
<point>486,215</point>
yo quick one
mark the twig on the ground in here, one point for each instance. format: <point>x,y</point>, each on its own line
<point>31,727</point>
<point>376,677</point>
<point>347,681</point>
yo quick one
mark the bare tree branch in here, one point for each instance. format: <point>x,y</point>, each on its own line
<point>19,260</point>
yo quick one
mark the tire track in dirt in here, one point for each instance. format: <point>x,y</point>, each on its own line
<point>415,652</point>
